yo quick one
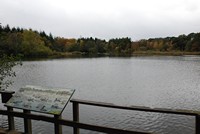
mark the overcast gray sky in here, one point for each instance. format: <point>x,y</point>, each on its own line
<point>137,19</point>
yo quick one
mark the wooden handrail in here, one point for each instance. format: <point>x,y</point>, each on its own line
<point>136,108</point>
<point>69,123</point>
<point>57,121</point>
<point>196,114</point>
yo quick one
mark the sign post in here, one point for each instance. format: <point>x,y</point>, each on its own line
<point>43,100</point>
<point>6,95</point>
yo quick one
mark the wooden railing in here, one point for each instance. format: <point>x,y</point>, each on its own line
<point>76,103</point>
<point>58,121</point>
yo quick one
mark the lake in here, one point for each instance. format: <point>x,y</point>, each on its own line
<point>154,81</point>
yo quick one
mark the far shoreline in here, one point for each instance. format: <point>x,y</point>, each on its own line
<point>87,55</point>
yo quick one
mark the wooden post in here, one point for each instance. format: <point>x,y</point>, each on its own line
<point>11,123</point>
<point>27,123</point>
<point>197,124</point>
<point>6,95</point>
<point>76,116</point>
<point>58,128</point>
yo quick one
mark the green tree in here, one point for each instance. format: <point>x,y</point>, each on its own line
<point>13,42</point>
<point>6,70</point>
<point>100,45</point>
<point>180,42</point>
<point>59,44</point>
<point>33,45</point>
<point>119,45</point>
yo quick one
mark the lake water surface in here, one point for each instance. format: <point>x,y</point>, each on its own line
<point>156,81</point>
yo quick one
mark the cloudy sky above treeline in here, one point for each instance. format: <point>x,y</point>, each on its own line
<point>105,19</point>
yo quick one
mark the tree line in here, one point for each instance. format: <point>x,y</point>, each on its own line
<point>184,43</point>
<point>32,43</point>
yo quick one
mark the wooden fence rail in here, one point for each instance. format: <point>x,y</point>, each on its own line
<point>58,121</point>
<point>76,103</point>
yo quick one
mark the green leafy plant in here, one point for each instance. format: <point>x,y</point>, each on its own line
<point>6,70</point>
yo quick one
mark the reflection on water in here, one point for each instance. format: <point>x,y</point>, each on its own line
<point>164,82</point>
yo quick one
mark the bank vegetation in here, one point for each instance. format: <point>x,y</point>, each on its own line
<point>30,43</point>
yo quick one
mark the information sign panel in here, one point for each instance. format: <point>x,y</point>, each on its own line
<point>41,99</point>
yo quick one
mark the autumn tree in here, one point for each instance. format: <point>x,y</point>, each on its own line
<point>33,45</point>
